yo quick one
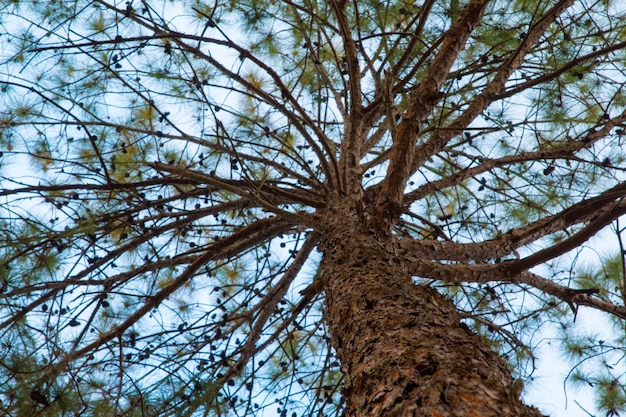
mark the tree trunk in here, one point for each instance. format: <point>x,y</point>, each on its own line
<point>402,347</point>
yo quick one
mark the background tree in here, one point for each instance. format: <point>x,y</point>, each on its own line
<point>299,208</point>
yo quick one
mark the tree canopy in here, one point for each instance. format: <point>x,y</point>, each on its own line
<point>165,167</point>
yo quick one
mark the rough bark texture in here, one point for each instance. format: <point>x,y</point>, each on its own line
<point>402,346</point>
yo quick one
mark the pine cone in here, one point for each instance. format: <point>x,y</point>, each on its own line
<point>37,396</point>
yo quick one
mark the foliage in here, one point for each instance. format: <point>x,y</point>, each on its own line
<point>163,167</point>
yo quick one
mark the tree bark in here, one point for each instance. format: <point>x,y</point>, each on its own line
<point>402,347</point>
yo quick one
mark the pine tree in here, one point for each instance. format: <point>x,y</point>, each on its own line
<point>267,207</point>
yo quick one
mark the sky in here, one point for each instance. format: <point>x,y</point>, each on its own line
<point>547,391</point>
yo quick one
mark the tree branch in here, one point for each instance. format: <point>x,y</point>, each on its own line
<point>601,217</point>
<point>351,142</point>
<point>572,297</point>
<point>421,102</point>
<point>459,274</point>
<point>599,211</point>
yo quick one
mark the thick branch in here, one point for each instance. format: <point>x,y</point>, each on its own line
<point>460,274</point>
<point>352,139</point>
<point>599,211</point>
<point>601,218</point>
<point>423,99</point>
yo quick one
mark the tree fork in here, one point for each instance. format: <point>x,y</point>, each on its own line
<point>403,348</point>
